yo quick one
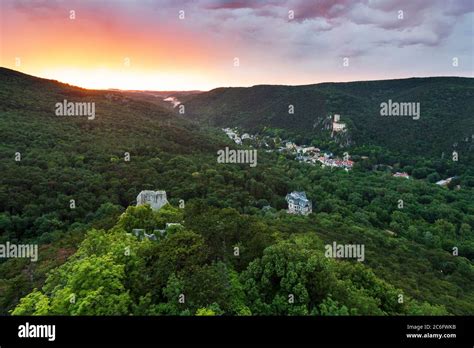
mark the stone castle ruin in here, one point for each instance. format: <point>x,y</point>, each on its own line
<point>156,199</point>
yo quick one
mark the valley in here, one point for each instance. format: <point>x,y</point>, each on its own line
<point>223,206</point>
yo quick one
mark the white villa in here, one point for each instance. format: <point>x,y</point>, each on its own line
<point>298,203</point>
<point>156,199</point>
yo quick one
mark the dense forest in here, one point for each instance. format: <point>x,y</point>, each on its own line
<point>445,122</point>
<point>237,251</point>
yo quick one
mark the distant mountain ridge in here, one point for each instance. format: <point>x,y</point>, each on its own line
<point>446,120</point>
<point>31,102</point>
<point>446,104</point>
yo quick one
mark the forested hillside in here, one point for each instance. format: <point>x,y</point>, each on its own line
<point>446,111</point>
<point>90,254</point>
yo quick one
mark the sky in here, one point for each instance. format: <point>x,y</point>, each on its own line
<point>204,44</point>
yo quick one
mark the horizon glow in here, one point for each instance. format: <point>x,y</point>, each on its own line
<point>152,45</point>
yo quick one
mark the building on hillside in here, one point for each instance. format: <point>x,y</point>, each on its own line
<point>230,133</point>
<point>298,203</point>
<point>347,164</point>
<point>335,162</point>
<point>311,150</point>
<point>156,199</point>
<point>290,146</point>
<point>336,125</point>
<point>444,182</point>
<point>401,175</point>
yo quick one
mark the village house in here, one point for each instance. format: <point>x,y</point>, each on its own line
<point>311,151</point>
<point>156,199</point>
<point>298,203</point>
<point>326,161</point>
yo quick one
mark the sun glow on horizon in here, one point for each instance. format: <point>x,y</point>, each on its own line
<point>199,51</point>
<point>106,78</point>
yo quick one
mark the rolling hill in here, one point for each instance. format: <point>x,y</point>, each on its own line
<point>408,251</point>
<point>446,111</point>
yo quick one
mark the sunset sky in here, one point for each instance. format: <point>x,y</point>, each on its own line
<point>199,51</point>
